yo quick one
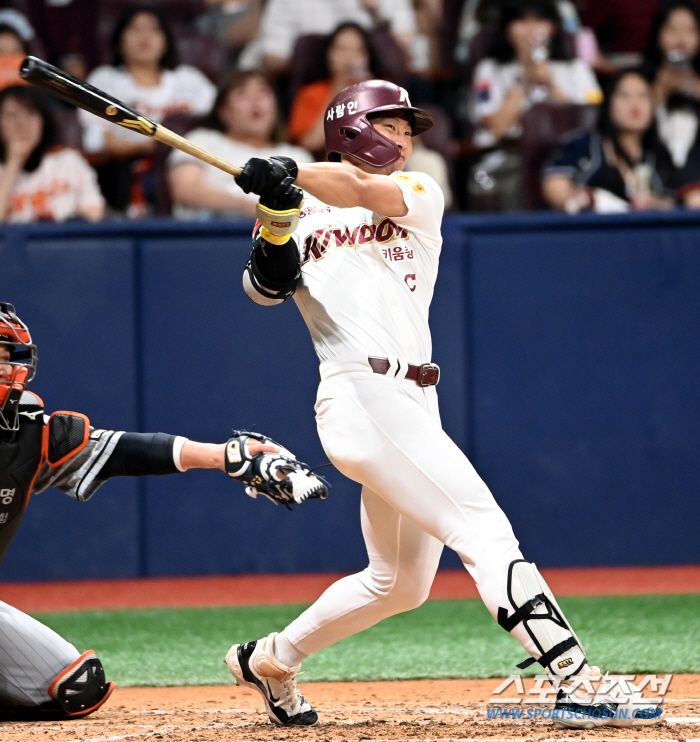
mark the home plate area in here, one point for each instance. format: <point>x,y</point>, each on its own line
<point>429,710</point>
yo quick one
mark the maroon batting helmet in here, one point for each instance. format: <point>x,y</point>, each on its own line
<point>349,132</point>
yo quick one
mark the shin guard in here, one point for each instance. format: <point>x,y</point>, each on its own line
<point>534,605</point>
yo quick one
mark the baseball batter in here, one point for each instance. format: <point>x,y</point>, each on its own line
<point>42,676</point>
<point>361,259</point>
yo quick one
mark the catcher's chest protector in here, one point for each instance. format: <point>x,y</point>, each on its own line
<point>21,454</point>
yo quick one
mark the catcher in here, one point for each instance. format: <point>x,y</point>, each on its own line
<point>42,676</point>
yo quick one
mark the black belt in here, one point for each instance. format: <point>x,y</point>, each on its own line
<point>427,374</point>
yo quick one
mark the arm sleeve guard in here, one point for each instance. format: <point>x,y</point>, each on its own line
<point>140,454</point>
<point>272,272</point>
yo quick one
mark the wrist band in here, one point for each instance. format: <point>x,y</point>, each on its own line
<point>178,444</point>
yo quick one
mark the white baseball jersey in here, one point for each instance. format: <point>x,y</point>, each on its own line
<point>367,280</point>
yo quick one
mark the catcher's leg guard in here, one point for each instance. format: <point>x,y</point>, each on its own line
<point>533,604</point>
<point>77,691</point>
<point>82,687</point>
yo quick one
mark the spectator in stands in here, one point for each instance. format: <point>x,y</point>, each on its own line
<point>622,166</point>
<point>38,180</point>
<point>425,50</point>
<point>235,22</point>
<point>349,58</point>
<point>243,123</point>
<point>284,22</point>
<point>529,62</point>
<point>14,47</point>
<point>144,74</point>
<point>672,62</point>
<point>478,15</point>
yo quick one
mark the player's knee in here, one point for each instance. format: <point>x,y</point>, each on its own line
<point>403,594</point>
<point>82,687</point>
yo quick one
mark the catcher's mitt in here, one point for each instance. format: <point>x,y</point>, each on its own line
<point>278,476</point>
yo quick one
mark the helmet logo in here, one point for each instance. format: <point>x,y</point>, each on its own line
<point>339,110</point>
<point>403,96</point>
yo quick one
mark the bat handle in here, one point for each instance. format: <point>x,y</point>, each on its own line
<point>175,140</point>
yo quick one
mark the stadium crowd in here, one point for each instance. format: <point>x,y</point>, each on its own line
<point>574,105</point>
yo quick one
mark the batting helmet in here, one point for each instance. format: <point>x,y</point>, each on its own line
<point>349,132</point>
<point>17,370</point>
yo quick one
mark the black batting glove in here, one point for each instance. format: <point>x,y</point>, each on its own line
<point>283,197</point>
<point>288,164</point>
<point>261,176</point>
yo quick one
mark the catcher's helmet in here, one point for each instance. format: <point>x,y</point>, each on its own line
<point>349,132</point>
<point>19,369</point>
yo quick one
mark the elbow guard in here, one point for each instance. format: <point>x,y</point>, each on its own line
<point>272,272</point>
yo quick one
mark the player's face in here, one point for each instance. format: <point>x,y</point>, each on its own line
<point>631,107</point>
<point>398,130</point>
<point>680,34</point>
<point>250,111</point>
<point>5,368</point>
<point>143,40</point>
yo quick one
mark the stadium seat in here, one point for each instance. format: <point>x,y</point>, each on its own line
<point>543,126</point>
<point>207,54</point>
<point>180,123</point>
<point>68,126</point>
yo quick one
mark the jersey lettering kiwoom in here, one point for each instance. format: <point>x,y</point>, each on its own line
<point>321,240</point>
<point>367,279</point>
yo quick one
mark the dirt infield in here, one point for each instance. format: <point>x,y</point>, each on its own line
<point>432,711</point>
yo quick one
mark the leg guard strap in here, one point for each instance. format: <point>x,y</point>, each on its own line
<point>510,622</point>
<point>552,654</point>
<point>535,607</point>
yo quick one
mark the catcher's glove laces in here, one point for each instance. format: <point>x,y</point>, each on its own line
<point>280,477</point>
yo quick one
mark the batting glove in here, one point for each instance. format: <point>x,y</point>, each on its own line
<point>262,176</point>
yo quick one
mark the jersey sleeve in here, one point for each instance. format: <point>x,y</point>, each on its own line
<point>426,204</point>
<point>78,476</point>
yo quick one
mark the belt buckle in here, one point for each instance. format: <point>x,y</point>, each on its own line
<point>424,369</point>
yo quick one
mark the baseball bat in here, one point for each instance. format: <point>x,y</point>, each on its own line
<point>77,92</point>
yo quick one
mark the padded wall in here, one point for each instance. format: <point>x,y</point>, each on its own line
<point>569,360</point>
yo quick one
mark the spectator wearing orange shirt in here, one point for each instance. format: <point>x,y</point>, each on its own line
<point>13,49</point>
<point>38,180</point>
<point>349,58</point>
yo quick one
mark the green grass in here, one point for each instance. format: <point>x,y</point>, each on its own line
<point>442,639</point>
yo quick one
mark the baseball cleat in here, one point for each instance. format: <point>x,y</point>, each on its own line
<point>616,703</point>
<point>253,665</point>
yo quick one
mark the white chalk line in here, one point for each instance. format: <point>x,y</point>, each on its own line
<point>343,709</point>
<point>168,729</point>
<point>145,735</point>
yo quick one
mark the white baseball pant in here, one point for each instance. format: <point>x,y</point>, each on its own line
<point>419,492</point>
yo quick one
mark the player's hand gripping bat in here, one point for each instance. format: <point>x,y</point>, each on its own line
<point>80,94</point>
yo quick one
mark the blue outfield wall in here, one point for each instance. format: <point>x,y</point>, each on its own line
<point>570,352</point>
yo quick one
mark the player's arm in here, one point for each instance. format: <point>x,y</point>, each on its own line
<point>343,185</point>
<point>274,268</point>
<point>337,184</point>
<point>79,459</point>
